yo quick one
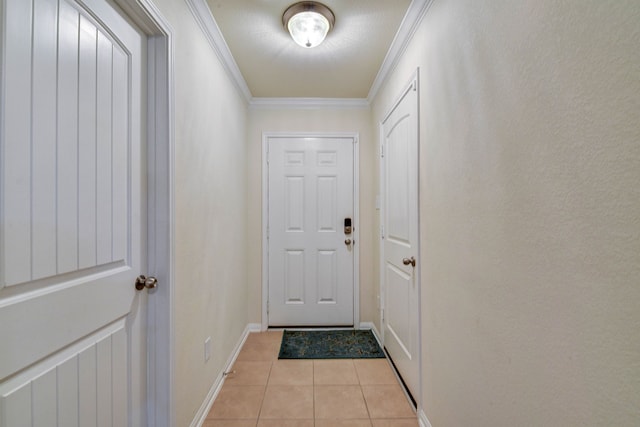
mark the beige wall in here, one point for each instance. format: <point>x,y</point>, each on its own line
<point>530,211</point>
<point>312,120</point>
<point>211,206</point>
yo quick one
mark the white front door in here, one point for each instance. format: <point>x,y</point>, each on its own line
<point>72,325</point>
<point>401,237</point>
<point>311,257</point>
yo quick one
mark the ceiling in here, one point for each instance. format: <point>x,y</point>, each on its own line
<point>274,66</point>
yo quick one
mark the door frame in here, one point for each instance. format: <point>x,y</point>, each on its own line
<point>160,146</point>
<point>355,136</point>
<point>412,84</point>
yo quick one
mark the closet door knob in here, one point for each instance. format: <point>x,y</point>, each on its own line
<point>407,261</point>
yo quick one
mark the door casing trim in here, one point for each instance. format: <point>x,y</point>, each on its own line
<point>160,146</point>
<point>356,214</point>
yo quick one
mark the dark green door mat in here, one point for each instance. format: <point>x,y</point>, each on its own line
<point>337,344</point>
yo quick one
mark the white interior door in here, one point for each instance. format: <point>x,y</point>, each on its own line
<point>311,258</point>
<point>400,279</point>
<point>72,197</point>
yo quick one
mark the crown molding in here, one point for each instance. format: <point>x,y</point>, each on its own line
<point>412,19</point>
<point>201,12</point>
<point>309,103</point>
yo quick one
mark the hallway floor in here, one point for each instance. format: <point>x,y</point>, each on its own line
<point>267,392</point>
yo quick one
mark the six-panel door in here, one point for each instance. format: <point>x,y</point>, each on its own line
<point>310,265</point>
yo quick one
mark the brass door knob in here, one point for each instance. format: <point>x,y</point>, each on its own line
<point>347,242</point>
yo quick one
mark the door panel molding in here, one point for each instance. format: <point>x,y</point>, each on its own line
<point>94,100</point>
<point>57,359</point>
<point>77,375</point>
<point>265,214</point>
<point>160,194</point>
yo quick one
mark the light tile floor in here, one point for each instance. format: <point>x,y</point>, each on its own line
<point>267,392</point>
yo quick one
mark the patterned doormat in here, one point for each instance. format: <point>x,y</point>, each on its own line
<point>336,344</point>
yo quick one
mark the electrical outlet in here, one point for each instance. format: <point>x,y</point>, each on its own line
<point>207,349</point>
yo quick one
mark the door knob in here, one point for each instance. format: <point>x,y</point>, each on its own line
<point>146,282</point>
<point>347,242</point>
<point>407,261</point>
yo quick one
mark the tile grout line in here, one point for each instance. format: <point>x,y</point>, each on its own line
<point>362,392</point>
<point>264,395</point>
<point>313,382</point>
<point>266,386</point>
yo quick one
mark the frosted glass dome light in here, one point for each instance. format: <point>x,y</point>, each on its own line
<point>308,22</point>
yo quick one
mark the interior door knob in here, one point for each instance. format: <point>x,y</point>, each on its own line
<point>146,282</point>
<point>347,242</point>
<point>407,261</point>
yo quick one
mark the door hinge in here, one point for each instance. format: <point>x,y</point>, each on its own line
<point>382,232</point>
<point>382,316</point>
<point>381,150</point>
<point>267,307</point>
<point>267,232</point>
<point>415,85</point>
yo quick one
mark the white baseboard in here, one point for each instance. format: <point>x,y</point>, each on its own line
<point>422,419</point>
<point>254,327</point>
<point>201,415</point>
<point>372,326</point>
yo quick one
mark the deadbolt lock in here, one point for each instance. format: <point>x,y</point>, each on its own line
<point>348,229</point>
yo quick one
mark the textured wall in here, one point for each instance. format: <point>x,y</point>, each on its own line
<point>530,211</point>
<point>313,120</point>
<point>211,206</point>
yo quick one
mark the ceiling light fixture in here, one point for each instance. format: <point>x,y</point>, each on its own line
<point>308,22</point>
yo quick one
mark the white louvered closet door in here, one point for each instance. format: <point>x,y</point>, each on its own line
<point>72,197</point>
